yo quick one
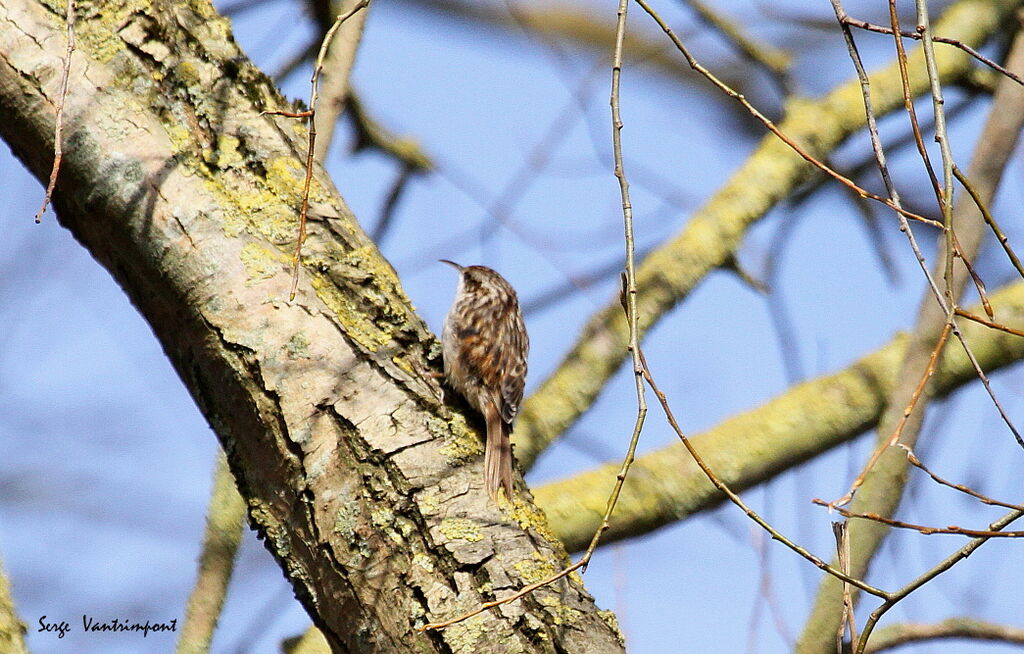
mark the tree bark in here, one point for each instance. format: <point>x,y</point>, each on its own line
<point>365,487</point>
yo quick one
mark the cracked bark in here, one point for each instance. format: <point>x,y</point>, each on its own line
<point>364,486</point>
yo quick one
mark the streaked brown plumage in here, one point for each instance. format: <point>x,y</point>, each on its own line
<point>485,350</point>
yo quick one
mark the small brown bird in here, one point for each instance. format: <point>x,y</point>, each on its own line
<point>485,350</point>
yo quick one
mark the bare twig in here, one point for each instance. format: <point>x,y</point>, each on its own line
<point>310,152</point>
<point>984,499</point>
<point>989,323</point>
<point>341,57</point>
<point>989,220</point>
<point>934,572</point>
<point>938,39</point>
<point>776,62</point>
<point>778,435</point>
<point>908,98</point>
<point>843,555</point>
<point>58,129</point>
<point>942,138</point>
<point>672,271</point>
<point>629,305</point>
<point>735,499</point>
<point>881,490</point>
<point>796,147</point>
<point>927,531</point>
<point>894,438</point>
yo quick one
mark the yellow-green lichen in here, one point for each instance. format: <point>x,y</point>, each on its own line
<point>260,263</point>
<point>98,24</point>
<point>183,145</point>
<point>461,444</point>
<point>227,154</point>
<point>276,535</point>
<point>402,361</point>
<point>345,523</point>
<point>286,176</point>
<point>559,612</point>
<point>461,529</point>
<point>613,623</point>
<point>187,72</point>
<point>535,568</point>
<point>464,636</point>
<point>387,523</point>
<point>529,516</point>
<point>422,560</point>
<point>429,503</point>
<point>355,323</point>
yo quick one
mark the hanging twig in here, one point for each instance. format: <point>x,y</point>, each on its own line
<point>628,297</point>
<point>311,148</point>
<point>58,129</point>
<point>735,499</point>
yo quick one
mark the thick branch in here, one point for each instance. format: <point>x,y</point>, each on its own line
<point>365,488</point>
<point>712,235</point>
<point>897,635</point>
<point>749,448</point>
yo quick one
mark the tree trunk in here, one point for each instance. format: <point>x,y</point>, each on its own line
<point>366,488</point>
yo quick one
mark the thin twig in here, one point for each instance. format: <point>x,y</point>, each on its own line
<point>984,499</point>
<point>847,620</point>
<point>735,499</point>
<point>338,63</point>
<point>629,278</point>
<point>989,219</point>
<point>58,129</point>
<point>725,88</point>
<point>927,531</point>
<point>311,148</point>
<point>979,284</point>
<point>526,590</point>
<point>944,299</point>
<point>988,323</point>
<point>942,138</point>
<point>876,143</point>
<point>897,635</point>
<point>934,572</point>
<point>629,304</point>
<point>898,431</point>
<point>908,98</point>
<point>776,62</point>
<point>938,39</point>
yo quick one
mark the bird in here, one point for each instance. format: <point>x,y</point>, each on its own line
<point>485,347</point>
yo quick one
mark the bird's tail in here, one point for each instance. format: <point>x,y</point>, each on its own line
<point>498,455</point>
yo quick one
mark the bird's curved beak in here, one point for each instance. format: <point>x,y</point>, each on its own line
<point>453,264</point>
